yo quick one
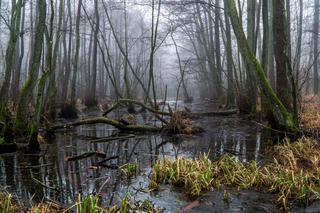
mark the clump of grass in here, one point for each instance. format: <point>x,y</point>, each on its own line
<point>129,169</point>
<point>6,203</point>
<point>147,206</point>
<point>180,123</point>
<point>194,175</point>
<point>293,174</point>
<point>89,203</point>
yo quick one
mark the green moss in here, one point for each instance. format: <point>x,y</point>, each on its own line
<point>283,117</point>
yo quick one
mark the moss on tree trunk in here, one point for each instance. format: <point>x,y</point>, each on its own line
<point>21,121</point>
<point>284,118</point>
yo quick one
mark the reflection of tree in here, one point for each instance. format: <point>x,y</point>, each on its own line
<point>52,171</point>
<point>9,168</point>
<point>34,189</point>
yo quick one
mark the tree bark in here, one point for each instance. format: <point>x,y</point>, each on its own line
<point>284,119</point>
<point>76,56</point>
<point>21,120</point>
<point>13,39</point>
<point>229,61</point>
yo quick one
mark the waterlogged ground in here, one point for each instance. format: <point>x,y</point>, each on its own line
<point>49,176</point>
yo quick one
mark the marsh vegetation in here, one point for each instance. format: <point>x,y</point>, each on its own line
<point>159,106</point>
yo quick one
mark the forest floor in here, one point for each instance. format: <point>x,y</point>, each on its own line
<point>310,115</point>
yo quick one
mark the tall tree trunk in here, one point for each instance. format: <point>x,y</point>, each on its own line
<point>265,46</point>
<point>125,75</point>
<point>13,39</point>
<point>281,53</point>
<point>18,64</point>
<point>76,56</point>
<point>217,44</point>
<point>297,57</point>
<point>284,119</point>
<point>21,121</point>
<point>229,61</point>
<point>153,42</point>
<point>288,28</point>
<point>52,87</point>
<point>271,67</point>
<point>92,99</point>
<point>251,87</point>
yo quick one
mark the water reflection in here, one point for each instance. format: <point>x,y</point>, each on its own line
<point>50,176</point>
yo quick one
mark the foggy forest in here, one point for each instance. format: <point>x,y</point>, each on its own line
<point>159,106</point>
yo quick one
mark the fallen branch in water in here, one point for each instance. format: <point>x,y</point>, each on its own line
<point>103,140</point>
<point>86,155</point>
<point>112,122</point>
<point>179,123</point>
<point>102,163</point>
<point>129,101</point>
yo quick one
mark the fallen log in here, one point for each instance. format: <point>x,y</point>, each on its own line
<point>109,121</point>
<point>129,101</point>
<point>102,163</point>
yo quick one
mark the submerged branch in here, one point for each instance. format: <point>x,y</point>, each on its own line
<point>86,155</point>
<point>216,113</point>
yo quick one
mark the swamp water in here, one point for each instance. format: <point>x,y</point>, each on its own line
<point>49,176</point>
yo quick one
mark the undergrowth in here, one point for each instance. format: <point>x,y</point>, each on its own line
<point>293,174</point>
<point>7,203</point>
<point>83,204</point>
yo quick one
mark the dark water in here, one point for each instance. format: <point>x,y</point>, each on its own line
<point>48,175</point>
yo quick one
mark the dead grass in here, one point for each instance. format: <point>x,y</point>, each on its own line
<point>180,123</point>
<point>7,203</point>
<point>293,174</point>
